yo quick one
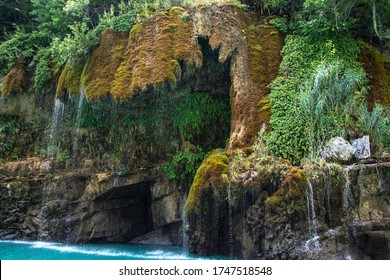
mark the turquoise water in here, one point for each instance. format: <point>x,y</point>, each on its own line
<point>37,250</point>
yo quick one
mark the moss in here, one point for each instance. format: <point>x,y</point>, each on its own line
<point>260,58</point>
<point>154,53</point>
<point>264,46</point>
<point>69,80</point>
<point>15,81</point>
<point>295,182</point>
<point>273,201</point>
<point>213,172</point>
<point>101,67</point>
<point>378,67</point>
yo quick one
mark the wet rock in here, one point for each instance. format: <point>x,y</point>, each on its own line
<point>362,146</point>
<point>338,150</point>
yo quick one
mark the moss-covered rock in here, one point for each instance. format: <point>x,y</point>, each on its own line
<point>378,67</point>
<point>163,50</point>
<point>69,80</point>
<point>16,80</point>
<point>155,51</point>
<point>213,173</point>
<point>100,69</point>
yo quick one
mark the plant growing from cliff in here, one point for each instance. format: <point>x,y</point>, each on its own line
<point>377,125</point>
<point>184,163</point>
<point>323,104</point>
<point>124,22</point>
<point>327,101</point>
<point>197,110</point>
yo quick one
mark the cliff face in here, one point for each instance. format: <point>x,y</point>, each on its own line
<point>83,206</point>
<point>90,160</point>
<point>282,213</point>
<point>98,171</point>
<point>165,52</point>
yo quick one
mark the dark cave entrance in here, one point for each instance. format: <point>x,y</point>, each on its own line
<point>213,81</point>
<point>123,213</point>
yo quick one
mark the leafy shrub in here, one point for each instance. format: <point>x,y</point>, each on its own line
<point>304,116</point>
<point>377,125</point>
<point>75,45</point>
<point>123,23</point>
<point>280,23</point>
<point>184,163</point>
<point>43,74</point>
<point>197,110</point>
<point>327,101</point>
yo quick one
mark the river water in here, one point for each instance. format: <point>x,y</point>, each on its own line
<point>37,250</point>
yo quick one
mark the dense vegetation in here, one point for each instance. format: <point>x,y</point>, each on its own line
<point>321,80</point>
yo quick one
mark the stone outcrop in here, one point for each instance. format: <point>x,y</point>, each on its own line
<point>264,212</point>
<point>339,150</point>
<point>362,146</point>
<point>80,206</point>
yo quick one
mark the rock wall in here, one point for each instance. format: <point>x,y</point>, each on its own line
<point>271,221</point>
<point>79,207</point>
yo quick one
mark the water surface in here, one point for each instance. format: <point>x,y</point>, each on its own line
<point>38,250</point>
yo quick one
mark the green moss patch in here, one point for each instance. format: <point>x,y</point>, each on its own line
<point>69,80</point>
<point>378,67</point>
<point>155,51</point>
<point>100,69</point>
<point>15,81</point>
<point>213,172</point>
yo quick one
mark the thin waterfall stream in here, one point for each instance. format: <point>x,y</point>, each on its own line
<point>57,116</point>
<point>78,121</point>
<point>313,243</point>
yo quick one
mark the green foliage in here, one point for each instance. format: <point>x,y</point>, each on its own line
<point>196,111</point>
<point>184,163</point>
<point>43,74</point>
<point>75,45</point>
<point>185,16</point>
<point>377,125</point>
<point>14,14</point>
<point>287,137</point>
<point>124,22</point>
<point>304,117</point>
<point>280,23</point>
<point>327,101</point>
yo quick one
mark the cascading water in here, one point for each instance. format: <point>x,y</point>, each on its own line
<point>347,205</point>
<point>313,243</point>
<point>311,210</point>
<point>184,230</point>
<point>78,121</point>
<point>42,234</point>
<point>347,193</point>
<point>56,118</point>
<point>328,192</point>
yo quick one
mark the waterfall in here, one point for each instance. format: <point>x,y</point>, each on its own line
<point>328,191</point>
<point>42,213</point>
<point>230,219</point>
<point>78,121</point>
<point>311,213</point>
<point>347,205</point>
<point>313,243</point>
<point>80,107</point>
<point>56,118</point>
<point>184,230</point>
<point>347,193</point>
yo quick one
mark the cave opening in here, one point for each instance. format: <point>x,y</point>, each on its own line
<point>213,83</point>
